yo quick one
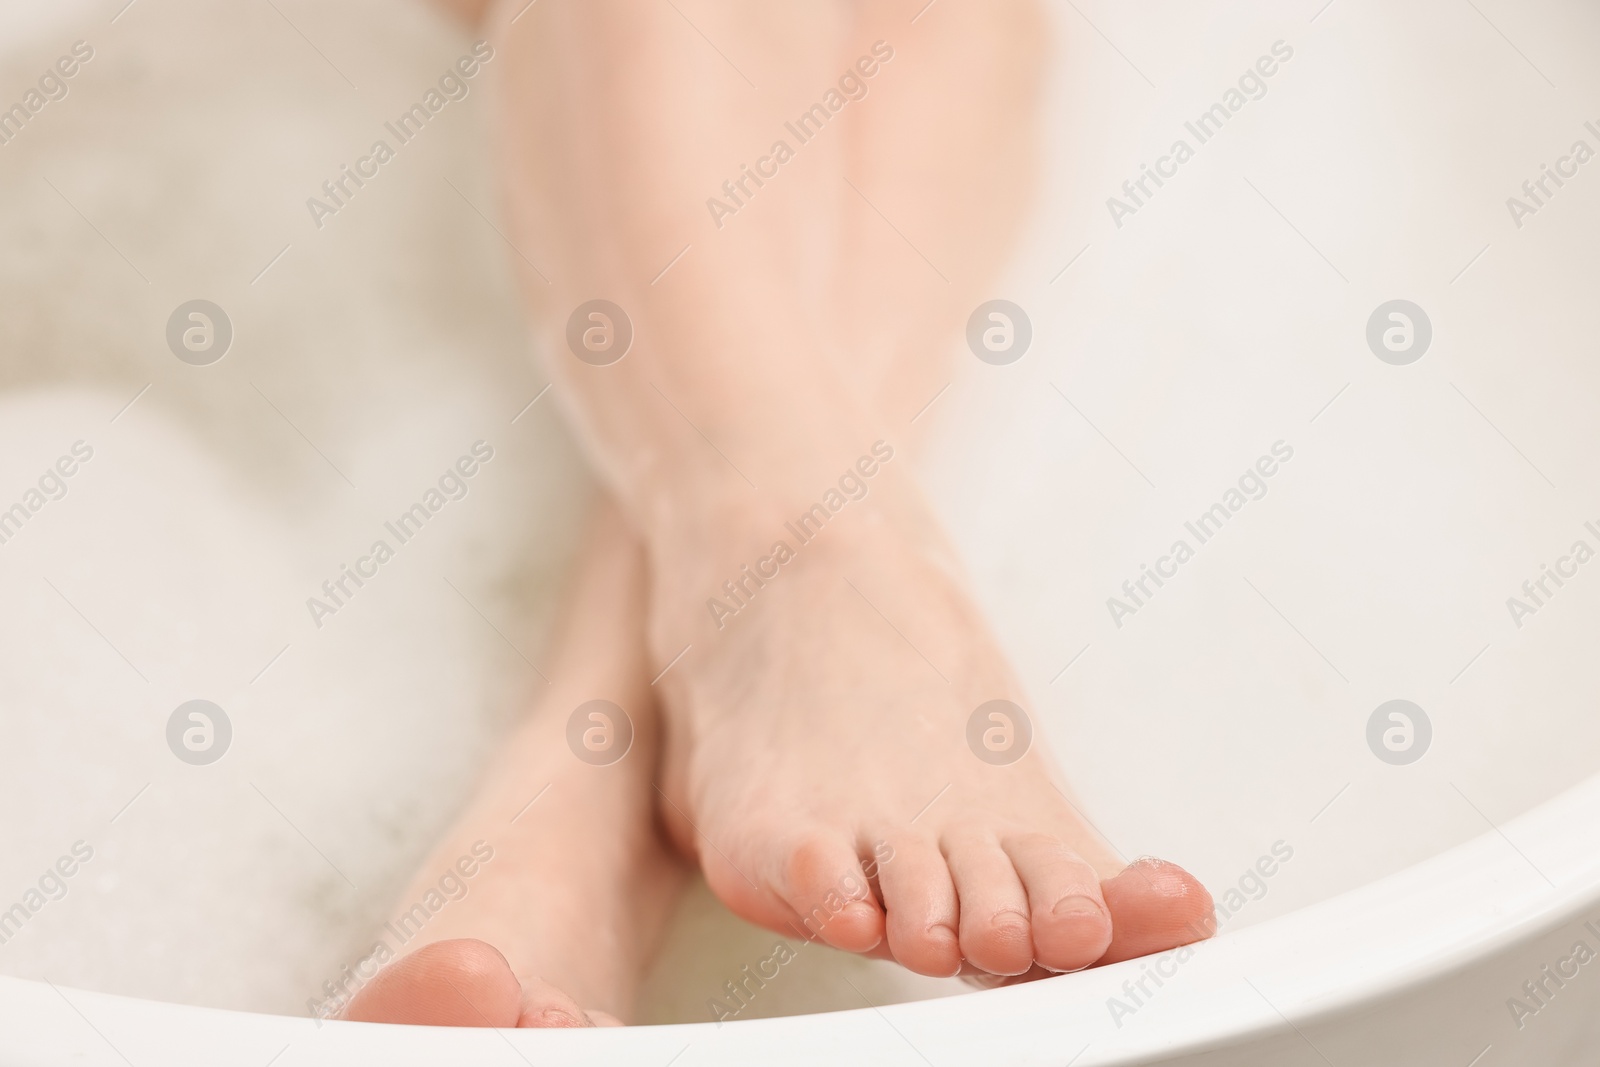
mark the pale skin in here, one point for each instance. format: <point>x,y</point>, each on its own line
<point>824,724</point>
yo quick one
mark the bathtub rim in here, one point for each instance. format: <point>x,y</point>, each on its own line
<point>1215,1010</point>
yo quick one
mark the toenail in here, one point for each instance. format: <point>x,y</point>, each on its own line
<point>944,936</point>
<point>556,1018</point>
<point>1073,970</point>
<point>1009,920</point>
<point>1076,907</point>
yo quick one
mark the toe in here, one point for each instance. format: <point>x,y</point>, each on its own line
<point>823,882</point>
<point>920,900</point>
<point>546,1007</point>
<point>1155,906</point>
<point>1071,926</point>
<point>448,983</point>
<point>994,929</point>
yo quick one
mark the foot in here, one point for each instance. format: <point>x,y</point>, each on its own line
<point>544,904</point>
<point>817,765</point>
<point>465,982</point>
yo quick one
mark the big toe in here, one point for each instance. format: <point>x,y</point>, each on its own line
<point>1155,906</point>
<point>448,983</point>
<point>544,1006</point>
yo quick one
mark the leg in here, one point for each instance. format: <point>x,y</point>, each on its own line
<point>810,730</point>
<point>580,886</point>
<point>953,161</point>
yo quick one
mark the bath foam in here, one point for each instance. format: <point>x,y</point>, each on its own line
<point>52,485</point>
<point>452,485</point>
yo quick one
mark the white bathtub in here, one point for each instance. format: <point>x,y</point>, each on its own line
<point>1226,715</point>
<point>1411,970</point>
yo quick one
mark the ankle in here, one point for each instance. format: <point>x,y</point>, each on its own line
<point>869,486</point>
<point>888,534</point>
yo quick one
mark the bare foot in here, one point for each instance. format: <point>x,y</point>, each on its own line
<point>465,982</point>
<point>809,734</point>
<point>818,765</point>
<point>544,904</point>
